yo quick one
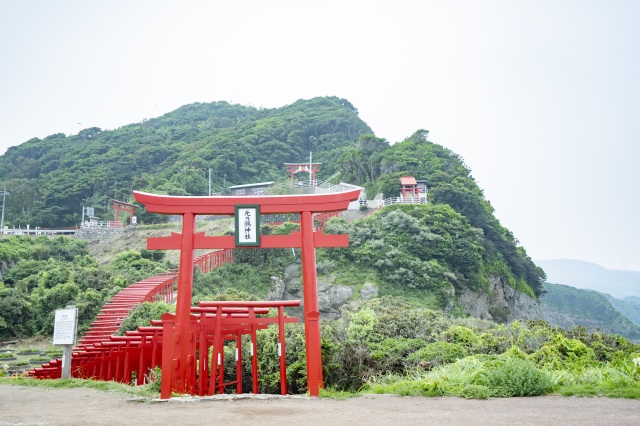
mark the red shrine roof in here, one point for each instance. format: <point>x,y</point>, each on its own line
<point>408,180</point>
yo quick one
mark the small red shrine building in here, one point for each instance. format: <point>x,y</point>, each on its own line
<point>412,188</point>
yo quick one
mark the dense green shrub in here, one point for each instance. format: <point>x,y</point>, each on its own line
<point>519,378</point>
<point>437,353</point>
<point>142,314</point>
<point>563,352</point>
<point>461,335</point>
<point>395,354</point>
<point>268,361</point>
<point>522,358</point>
<point>43,274</point>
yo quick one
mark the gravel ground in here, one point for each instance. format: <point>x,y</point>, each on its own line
<point>45,406</point>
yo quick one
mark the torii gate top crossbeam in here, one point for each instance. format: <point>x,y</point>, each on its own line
<point>270,204</point>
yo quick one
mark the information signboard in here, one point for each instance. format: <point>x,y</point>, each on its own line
<point>64,329</point>
<point>247,225</point>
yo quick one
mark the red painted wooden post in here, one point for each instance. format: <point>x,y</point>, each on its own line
<point>221,367</point>
<point>239,363</point>
<point>183,304</point>
<point>141,361</point>
<point>254,359</point>
<point>191,358</point>
<point>311,311</point>
<point>109,375</point>
<point>158,346</point>
<point>282,352</point>
<point>202,357</point>
<point>216,377</point>
<point>167,356</point>
<point>126,367</point>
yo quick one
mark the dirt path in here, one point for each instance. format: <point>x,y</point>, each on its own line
<point>45,406</point>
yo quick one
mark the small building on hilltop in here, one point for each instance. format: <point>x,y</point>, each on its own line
<point>251,188</point>
<point>408,187</point>
<point>412,190</point>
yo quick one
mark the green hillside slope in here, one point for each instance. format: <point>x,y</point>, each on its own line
<point>378,166</point>
<point>51,179</point>
<point>568,307</point>
<point>453,243</point>
<point>629,307</point>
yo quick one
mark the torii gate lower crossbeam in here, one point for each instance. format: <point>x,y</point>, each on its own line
<point>187,241</point>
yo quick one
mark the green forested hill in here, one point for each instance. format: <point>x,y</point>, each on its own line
<point>568,306</point>
<point>629,307</point>
<point>378,166</point>
<point>51,179</point>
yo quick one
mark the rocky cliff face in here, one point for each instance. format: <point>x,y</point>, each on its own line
<point>502,303</point>
<point>331,297</point>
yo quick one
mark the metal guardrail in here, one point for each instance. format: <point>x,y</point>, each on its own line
<point>403,200</point>
<point>318,187</point>
<point>62,231</point>
<point>71,231</point>
<point>325,187</point>
<point>111,224</point>
<point>379,203</point>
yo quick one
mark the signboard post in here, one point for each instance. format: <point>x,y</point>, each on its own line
<point>64,334</point>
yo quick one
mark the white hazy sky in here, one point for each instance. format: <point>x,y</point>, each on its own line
<point>541,98</point>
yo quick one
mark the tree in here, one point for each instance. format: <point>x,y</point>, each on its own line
<point>16,314</point>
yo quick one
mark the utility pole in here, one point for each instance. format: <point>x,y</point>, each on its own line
<point>209,182</point>
<point>310,171</point>
<point>4,196</point>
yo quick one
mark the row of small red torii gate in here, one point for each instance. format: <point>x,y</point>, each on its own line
<point>180,360</point>
<point>102,355</point>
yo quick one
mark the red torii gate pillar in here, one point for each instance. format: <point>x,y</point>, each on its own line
<point>189,240</point>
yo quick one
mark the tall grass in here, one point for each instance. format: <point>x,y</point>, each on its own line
<point>483,376</point>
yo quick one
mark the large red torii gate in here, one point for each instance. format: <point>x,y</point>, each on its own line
<point>188,241</point>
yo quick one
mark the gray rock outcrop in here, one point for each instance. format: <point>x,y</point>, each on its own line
<point>501,303</point>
